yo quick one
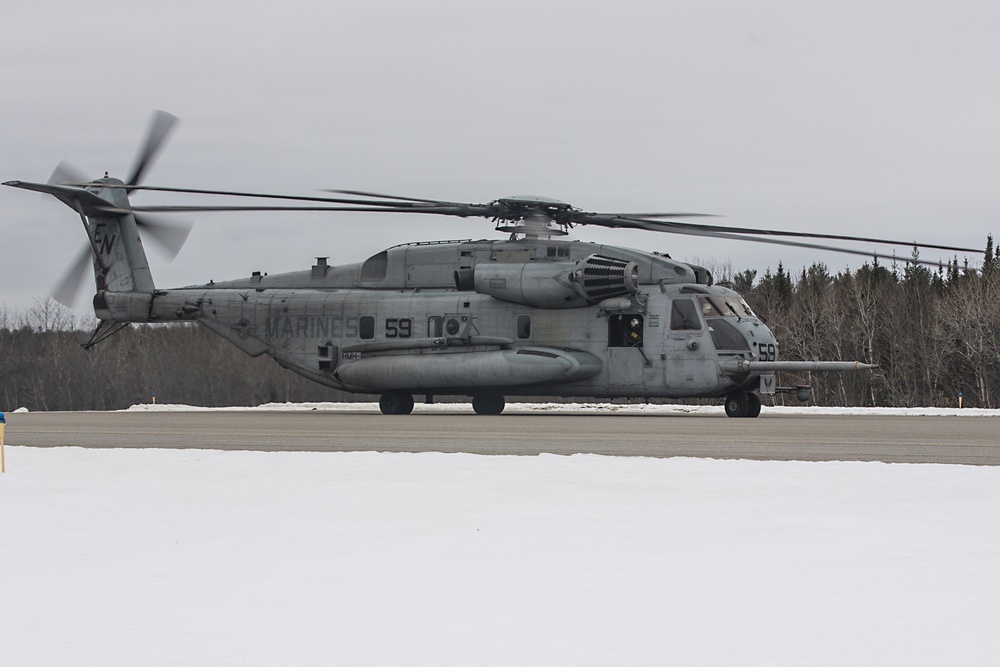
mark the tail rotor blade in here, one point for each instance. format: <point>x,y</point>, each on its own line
<point>69,284</point>
<point>159,128</point>
<point>170,236</point>
<point>65,173</point>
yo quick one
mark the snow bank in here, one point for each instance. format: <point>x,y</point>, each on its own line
<point>190,557</point>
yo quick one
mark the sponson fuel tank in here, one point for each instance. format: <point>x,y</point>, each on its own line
<point>496,368</point>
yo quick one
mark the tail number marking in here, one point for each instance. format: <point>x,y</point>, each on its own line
<point>398,327</point>
<point>103,243</point>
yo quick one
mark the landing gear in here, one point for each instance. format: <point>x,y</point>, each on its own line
<point>742,404</point>
<point>737,404</point>
<point>488,404</point>
<point>396,403</point>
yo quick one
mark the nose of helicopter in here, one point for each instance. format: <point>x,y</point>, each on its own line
<point>760,339</point>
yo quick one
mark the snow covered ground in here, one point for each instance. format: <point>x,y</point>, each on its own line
<point>188,557</point>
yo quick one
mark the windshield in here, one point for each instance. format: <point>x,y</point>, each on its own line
<point>724,306</point>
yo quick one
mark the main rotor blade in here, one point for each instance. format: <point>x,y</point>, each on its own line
<point>362,193</point>
<point>170,236</point>
<point>835,237</point>
<point>655,215</point>
<point>159,128</point>
<point>817,235</point>
<point>258,195</point>
<point>68,287</point>
<point>384,203</point>
<point>238,208</point>
<point>465,211</point>
<point>705,231</point>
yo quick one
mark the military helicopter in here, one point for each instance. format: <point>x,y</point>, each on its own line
<point>533,314</point>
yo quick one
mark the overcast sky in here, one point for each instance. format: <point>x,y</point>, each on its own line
<point>847,117</point>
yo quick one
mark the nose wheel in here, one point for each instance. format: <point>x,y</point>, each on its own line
<point>742,404</point>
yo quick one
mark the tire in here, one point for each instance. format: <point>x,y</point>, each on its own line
<point>396,403</point>
<point>488,404</point>
<point>737,404</point>
<point>753,405</point>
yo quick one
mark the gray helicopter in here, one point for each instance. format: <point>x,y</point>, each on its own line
<point>534,314</point>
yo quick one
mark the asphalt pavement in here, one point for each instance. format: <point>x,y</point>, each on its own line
<point>888,438</point>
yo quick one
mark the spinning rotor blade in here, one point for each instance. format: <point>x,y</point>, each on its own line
<point>361,193</point>
<point>522,210</point>
<point>239,208</point>
<point>706,231</point>
<point>262,195</point>
<point>159,128</point>
<point>67,174</point>
<point>170,236</point>
<point>661,215</point>
<point>68,287</point>
<point>810,235</point>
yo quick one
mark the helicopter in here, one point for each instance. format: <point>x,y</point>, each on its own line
<point>534,314</point>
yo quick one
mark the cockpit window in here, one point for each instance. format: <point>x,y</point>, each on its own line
<point>724,306</point>
<point>684,316</point>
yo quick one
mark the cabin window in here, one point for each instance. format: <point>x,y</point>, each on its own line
<point>366,327</point>
<point>524,326</point>
<point>684,316</point>
<point>625,330</point>
<point>435,326</point>
<point>557,251</point>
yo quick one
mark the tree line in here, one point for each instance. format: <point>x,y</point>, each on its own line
<point>934,333</point>
<point>44,367</point>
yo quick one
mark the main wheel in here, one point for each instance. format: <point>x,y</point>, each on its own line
<point>753,405</point>
<point>396,403</point>
<point>738,404</point>
<point>488,404</point>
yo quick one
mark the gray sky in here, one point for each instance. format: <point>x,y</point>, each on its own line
<point>871,118</point>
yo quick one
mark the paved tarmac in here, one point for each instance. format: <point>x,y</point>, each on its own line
<point>909,439</point>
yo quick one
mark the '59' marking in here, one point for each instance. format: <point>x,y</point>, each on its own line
<point>767,352</point>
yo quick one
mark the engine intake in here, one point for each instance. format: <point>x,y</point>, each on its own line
<point>556,284</point>
<point>603,277</point>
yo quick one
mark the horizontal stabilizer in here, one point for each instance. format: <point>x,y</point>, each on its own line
<point>92,204</point>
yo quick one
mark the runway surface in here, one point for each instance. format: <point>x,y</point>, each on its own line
<point>889,438</point>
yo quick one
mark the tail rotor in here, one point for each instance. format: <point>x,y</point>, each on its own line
<point>169,237</point>
<point>160,127</point>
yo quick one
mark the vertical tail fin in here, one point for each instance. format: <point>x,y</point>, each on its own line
<point>120,263</point>
<point>119,259</point>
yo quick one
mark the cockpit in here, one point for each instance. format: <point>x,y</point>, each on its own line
<point>725,306</point>
<point>727,317</point>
